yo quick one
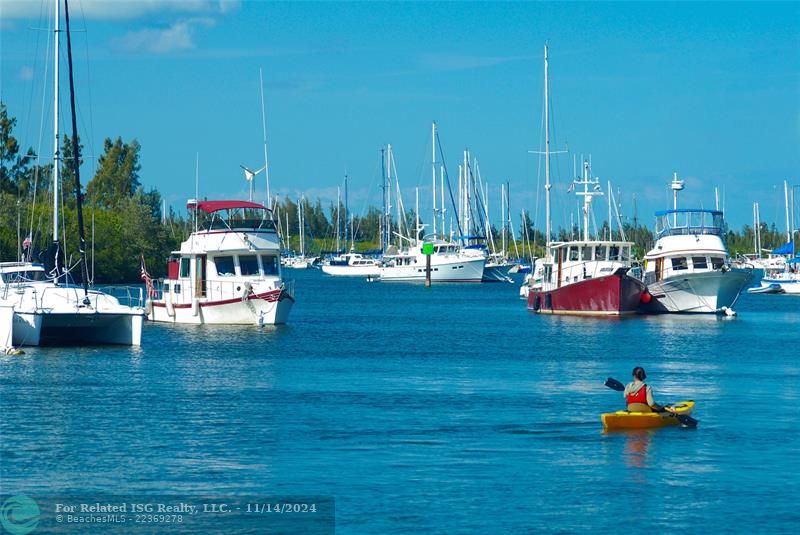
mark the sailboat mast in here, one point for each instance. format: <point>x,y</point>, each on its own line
<point>338,226</point>
<point>786,200</point>
<point>76,161</point>
<point>433,172</point>
<point>441,190</point>
<point>56,147</point>
<point>503,213</point>
<point>547,149</point>
<point>416,210</point>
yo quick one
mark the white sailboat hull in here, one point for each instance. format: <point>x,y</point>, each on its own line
<point>704,292</point>
<point>48,314</point>
<point>443,269</point>
<point>352,271</point>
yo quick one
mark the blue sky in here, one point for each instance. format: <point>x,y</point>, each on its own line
<point>711,90</point>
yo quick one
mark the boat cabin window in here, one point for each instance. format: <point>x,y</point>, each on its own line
<point>270,264</point>
<point>23,276</point>
<point>224,266</point>
<point>717,263</point>
<point>679,263</point>
<point>185,268</point>
<point>587,253</point>
<point>573,254</point>
<point>248,265</point>
<point>613,253</point>
<point>699,262</point>
<point>625,254</point>
<point>600,252</point>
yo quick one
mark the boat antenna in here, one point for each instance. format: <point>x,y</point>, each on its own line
<point>264,128</point>
<point>76,164</point>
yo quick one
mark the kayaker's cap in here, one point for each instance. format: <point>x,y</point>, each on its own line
<point>638,373</point>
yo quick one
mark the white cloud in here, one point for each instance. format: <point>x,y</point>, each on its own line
<point>178,36</point>
<point>25,73</point>
<point>157,41</point>
<point>120,9</point>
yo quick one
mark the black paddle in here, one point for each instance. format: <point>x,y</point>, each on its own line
<point>685,419</point>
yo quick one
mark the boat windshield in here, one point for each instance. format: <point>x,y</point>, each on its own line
<point>688,222</point>
<point>237,219</point>
<point>24,276</point>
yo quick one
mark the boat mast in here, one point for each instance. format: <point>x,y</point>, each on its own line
<point>338,225</point>
<point>547,150</point>
<point>433,172</point>
<point>786,200</point>
<point>676,185</point>
<point>346,212</point>
<point>416,210</point>
<point>503,214</point>
<point>76,165</point>
<point>441,190</point>
<point>56,147</point>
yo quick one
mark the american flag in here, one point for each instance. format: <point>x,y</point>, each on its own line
<point>148,280</point>
<point>27,242</point>
<point>145,275</point>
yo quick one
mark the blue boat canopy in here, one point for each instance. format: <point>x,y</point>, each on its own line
<point>786,248</point>
<point>688,210</point>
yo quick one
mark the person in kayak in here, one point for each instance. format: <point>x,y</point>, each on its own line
<point>639,395</point>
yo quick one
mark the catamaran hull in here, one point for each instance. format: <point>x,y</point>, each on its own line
<point>703,293</point>
<point>611,295</point>
<point>82,327</point>
<point>470,270</point>
<point>268,308</point>
<point>352,271</point>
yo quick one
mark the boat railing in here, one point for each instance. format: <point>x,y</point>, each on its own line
<point>98,298</point>
<point>130,296</point>
<point>185,291</point>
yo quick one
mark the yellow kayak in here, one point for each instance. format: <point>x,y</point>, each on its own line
<point>646,420</point>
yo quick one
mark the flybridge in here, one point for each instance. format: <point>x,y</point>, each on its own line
<point>688,221</point>
<point>233,215</point>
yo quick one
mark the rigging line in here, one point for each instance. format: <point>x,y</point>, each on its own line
<point>29,106</point>
<point>37,168</point>
<point>449,187</point>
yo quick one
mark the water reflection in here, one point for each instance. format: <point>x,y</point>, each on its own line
<point>637,444</point>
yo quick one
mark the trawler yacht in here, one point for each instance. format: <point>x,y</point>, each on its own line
<point>689,269</point>
<point>227,272</point>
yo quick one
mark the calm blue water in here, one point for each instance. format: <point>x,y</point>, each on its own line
<point>450,409</point>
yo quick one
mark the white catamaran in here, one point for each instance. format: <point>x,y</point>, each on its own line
<point>47,308</point>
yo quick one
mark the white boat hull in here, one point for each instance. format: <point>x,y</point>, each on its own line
<point>45,314</point>
<point>34,328</point>
<point>267,308</point>
<point>352,271</point>
<point>704,292</point>
<point>442,270</point>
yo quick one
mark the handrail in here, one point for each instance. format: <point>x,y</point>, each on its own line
<point>214,290</point>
